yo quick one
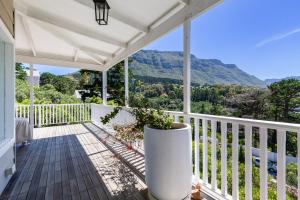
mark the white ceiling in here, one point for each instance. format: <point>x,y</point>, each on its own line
<point>65,33</point>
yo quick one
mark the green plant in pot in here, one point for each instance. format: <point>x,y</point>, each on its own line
<point>144,116</point>
<point>168,150</point>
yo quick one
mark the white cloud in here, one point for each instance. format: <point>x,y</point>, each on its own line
<point>277,37</point>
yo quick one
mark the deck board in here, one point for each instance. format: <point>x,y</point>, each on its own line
<point>72,162</point>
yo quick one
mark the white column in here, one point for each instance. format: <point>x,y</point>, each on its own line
<point>31,108</point>
<point>126,83</point>
<point>187,66</point>
<point>104,87</point>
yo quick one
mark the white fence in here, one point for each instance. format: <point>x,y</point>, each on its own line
<point>234,126</point>
<point>98,111</point>
<point>122,118</point>
<point>208,128</point>
<point>52,114</point>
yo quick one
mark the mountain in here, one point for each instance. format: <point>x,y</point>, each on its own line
<point>273,80</point>
<point>168,64</point>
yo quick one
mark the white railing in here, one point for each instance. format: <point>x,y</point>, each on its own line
<point>52,114</point>
<point>207,129</point>
<point>235,126</point>
<point>124,117</point>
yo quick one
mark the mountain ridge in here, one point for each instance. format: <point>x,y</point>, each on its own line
<point>273,80</point>
<point>168,64</point>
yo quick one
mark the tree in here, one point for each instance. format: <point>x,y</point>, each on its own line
<point>84,79</point>
<point>22,90</point>
<point>47,78</point>
<point>252,103</point>
<point>285,97</point>
<point>116,82</point>
<point>91,81</point>
<point>20,72</point>
<point>62,84</point>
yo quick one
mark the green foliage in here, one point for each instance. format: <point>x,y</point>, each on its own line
<point>22,90</point>
<point>153,118</point>
<point>291,175</point>
<point>60,83</point>
<point>285,97</point>
<point>91,81</point>
<point>156,119</point>
<point>116,82</point>
<point>94,99</point>
<point>20,72</point>
<point>47,93</point>
<point>107,118</point>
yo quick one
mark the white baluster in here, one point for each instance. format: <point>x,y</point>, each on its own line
<point>35,114</point>
<point>248,162</point>
<point>224,158</point>
<point>281,164</point>
<point>187,120</point>
<point>24,111</point>
<point>213,154</point>
<point>176,118</point>
<point>47,114</point>
<point>81,113</point>
<point>235,161</point>
<point>263,141</point>
<point>196,149</point>
<point>43,115</point>
<point>63,113</point>
<point>40,116</point>
<point>205,152</point>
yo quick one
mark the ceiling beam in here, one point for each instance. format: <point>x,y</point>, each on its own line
<point>186,2</point>
<point>56,60</point>
<point>76,53</point>
<point>68,25</point>
<point>96,51</point>
<point>28,34</point>
<point>117,16</point>
<point>194,9</point>
<point>88,50</point>
<point>95,58</point>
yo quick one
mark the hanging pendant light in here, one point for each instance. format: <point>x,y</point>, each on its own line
<point>101,11</point>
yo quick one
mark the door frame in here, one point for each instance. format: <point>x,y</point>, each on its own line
<point>8,143</point>
<point>9,93</point>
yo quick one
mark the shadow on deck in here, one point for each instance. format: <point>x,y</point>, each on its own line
<point>75,162</point>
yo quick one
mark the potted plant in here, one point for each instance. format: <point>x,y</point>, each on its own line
<point>168,151</point>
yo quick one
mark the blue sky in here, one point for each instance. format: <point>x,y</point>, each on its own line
<point>262,37</point>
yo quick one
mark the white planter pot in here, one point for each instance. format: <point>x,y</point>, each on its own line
<point>168,155</point>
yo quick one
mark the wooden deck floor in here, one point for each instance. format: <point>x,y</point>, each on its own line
<point>76,162</point>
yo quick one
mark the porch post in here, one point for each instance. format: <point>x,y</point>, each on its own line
<point>187,67</point>
<point>31,108</point>
<point>126,83</point>
<point>104,87</point>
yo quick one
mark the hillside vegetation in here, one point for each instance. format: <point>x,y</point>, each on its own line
<point>168,64</point>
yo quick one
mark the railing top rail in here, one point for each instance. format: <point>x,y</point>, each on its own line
<point>55,104</point>
<point>243,121</point>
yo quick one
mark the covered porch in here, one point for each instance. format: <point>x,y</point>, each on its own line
<point>72,156</point>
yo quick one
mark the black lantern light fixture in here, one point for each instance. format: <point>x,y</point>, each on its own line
<point>101,11</point>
